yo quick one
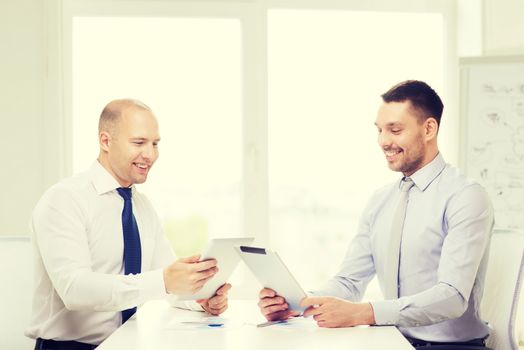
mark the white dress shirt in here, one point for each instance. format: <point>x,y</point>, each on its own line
<point>443,256</point>
<point>80,287</point>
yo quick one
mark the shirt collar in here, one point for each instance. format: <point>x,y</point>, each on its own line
<point>102,180</point>
<point>423,177</point>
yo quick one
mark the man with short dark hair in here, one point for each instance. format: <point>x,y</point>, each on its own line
<point>99,246</point>
<point>426,238</point>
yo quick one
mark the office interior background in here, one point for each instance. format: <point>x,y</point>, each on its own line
<point>266,112</point>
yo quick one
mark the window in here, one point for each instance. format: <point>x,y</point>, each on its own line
<point>266,109</point>
<point>325,82</point>
<point>188,70</point>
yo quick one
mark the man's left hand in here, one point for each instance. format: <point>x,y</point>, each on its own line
<point>217,304</point>
<point>333,312</point>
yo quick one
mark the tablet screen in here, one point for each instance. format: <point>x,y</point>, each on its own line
<point>221,249</point>
<point>272,273</point>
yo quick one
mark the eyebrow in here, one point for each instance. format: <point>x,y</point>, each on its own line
<point>143,139</point>
<point>391,124</point>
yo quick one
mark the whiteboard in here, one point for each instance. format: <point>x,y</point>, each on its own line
<point>492,106</point>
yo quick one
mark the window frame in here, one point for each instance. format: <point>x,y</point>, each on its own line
<point>253,18</point>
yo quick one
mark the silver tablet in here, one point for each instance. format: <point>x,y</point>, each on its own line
<point>272,273</point>
<point>221,249</point>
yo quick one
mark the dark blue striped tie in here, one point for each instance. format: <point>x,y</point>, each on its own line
<point>132,249</point>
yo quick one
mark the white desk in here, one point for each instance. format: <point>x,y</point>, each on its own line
<point>152,329</point>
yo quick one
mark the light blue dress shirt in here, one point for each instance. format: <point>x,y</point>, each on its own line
<point>443,256</point>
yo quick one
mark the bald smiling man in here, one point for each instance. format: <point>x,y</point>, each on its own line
<point>98,244</point>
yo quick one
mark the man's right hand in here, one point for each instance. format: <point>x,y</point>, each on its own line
<point>273,306</point>
<point>188,275</point>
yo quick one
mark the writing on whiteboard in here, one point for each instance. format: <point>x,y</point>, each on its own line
<point>495,137</point>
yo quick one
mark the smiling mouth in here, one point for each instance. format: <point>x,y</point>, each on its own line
<point>141,166</point>
<point>391,154</point>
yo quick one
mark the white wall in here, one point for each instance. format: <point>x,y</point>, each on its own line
<point>22,72</point>
<point>490,27</point>
<point>503,34</point>
<point>503,27</point>
<point>15,301</point>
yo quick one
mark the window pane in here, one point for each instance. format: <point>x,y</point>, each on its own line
<point>188,70</point>
<point>325,81</point>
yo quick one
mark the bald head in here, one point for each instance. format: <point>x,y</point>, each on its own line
<point>113,112</point>
<point>128,138</point>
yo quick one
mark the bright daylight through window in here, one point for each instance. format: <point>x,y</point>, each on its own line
<point>324,84</point>
<point>325,81</point>
<point>188,71</point>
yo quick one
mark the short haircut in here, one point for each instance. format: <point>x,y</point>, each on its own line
<point>424,100</point>
<point>113,111</point>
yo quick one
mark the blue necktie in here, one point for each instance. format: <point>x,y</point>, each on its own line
<point>132,249</point>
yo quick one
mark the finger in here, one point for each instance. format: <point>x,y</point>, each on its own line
<point>323,324</point>
<point>294,313</point>
<point>204,275</point>
<point>319,317</point>
<point>217,311</point>
<point>217,305</point>
<point>275,308</point>
<point>266,293</point>
<point>270,301</point>
<point>310,301</point>
<point>204,265</point>
<point>281,315</point>
<point>190,259</point>
<point>312,311</point>
<point>218,300</point>
<point>211,312</point>
<point>222,310</point>
<point>224,289</point>
<point>328,324</point>
<point>197,285</point>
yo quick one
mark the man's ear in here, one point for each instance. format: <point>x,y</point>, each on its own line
<point>105,140</point>
<point>431,128</point>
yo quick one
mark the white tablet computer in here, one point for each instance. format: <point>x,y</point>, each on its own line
<point>221,249</point>
<point>272,273</point>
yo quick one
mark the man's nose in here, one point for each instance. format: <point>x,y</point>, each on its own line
<point>148,152</point>
<point>383,140</point>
